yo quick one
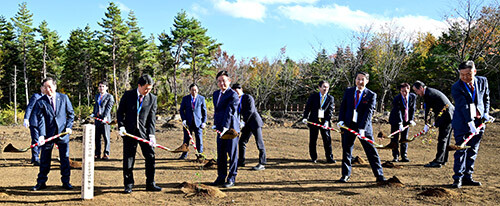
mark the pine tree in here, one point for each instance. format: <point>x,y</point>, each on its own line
<point>52,50</point>
<point>135,49</point>
<point>8,58</point>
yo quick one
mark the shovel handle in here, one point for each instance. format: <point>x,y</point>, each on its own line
<point>146,141</point>
<point>50,139</point>
<point>322,126</point>
<point>191,139</point>
<point>361,137</point>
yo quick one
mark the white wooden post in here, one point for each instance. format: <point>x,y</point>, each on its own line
<point>88,161</point>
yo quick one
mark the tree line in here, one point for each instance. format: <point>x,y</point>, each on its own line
<point>119,53</point>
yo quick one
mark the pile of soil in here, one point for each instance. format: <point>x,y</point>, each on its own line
<point>381,135</point>
<point>438,192</point>
<point>75,164</point>
<point>392,182</point>
<point>358,161</point>
<point>183,148</point>
<point>191,189</point>
<point>388,164</point>
<point>210,164</point>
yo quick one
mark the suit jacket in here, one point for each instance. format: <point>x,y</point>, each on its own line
<point>463,100</point>
<point>365,109</point>
<point>143,124</point>
<point>104,110</point>
<point>313,105</point>
<point>225,115</point>
<point>29,109</point>
<point>198,115</point>
<point>436,100</point>
<point>398,109</point>
<point>50,123</point>
<point>249,113</point>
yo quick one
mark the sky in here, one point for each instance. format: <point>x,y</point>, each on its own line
<point>253,28</point>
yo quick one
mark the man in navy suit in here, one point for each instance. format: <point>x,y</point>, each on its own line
<point>319,109</point>
<point>194,116</point>
<point>54,114</point>
<point>437,101</point>
<point>104,102</point>
<point>472,99</point>
<point>30,121</point>
<point>251,123</point>
<point>136,115</point>
<point>225,118</point>
<point>356,111</point>
<point>402,113</point>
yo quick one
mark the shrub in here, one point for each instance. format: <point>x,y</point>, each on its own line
<point>7,115</point>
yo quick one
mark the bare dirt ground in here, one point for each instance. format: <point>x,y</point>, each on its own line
<point>289,178</point>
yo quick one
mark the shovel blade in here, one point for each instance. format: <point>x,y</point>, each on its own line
<point>11,148</point>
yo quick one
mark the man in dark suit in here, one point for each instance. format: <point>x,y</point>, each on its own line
<point>30,122</point>
<point>194,116</point>
<point>225,118</point>
<point>104,102</point>
<point>54,114</point>
<point>251,123</point>
<point>402,114</point>
<point>437,101</point>
<point>136,115</point>
<point>472,99</point>
<point>319,109</point>
<point>356,111</point>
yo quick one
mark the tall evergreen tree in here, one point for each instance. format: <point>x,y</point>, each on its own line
<point>8,58</point>
<point>52,50</point>
<point>134,50</point>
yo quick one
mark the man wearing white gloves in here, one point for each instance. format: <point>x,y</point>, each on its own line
<point>402,114</point>
<point>472,98</point>
<point>437,101</point>
<point>136,115</point>
<point>104,102</point>
<point>54,115</point>
<point>356,111</point>
<point>193,113</point>
<point>30,122</point>
<point>319,110</point>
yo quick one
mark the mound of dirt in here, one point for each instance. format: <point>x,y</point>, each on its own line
<point>388,164</point>
<point>358,161</point>
<point>391,182</point>
<point>75,164</point>
<point>381,135</point>
<point>191,189</point>
<point>210,164</point>
<point>438,192</point>
<point>183,148</point>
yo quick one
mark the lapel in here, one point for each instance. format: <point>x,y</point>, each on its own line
<point>466,92</point>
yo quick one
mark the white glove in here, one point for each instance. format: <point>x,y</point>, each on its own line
<point>69,130</point>
<point>326,124</point>
<point>152,140</point>
<point>203,125</point>
<point>426,128</point>
<point>122,131</point>
<point>401,128</point>
<point>105,119</point>
<point>340,124</point>
<point>41,140</point>
<point>362,132</point>
<point>472,127</point>
<point>184,123</point>
<point>304,121</point>
<point>26,123</point>
<point>413,123</point>
<point>214,127</point>
<point>224,130</point>
<point>242,124</point>
<point>91,115</point>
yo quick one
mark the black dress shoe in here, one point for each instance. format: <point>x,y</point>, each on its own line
<point>127,190</point>
<point>470,182</point>
<point>433,164</point>
<point>67,186</point>
<point>182,158</point>
<point>259,167</point>
<point>330,161</point>
<point>241,164</point>
<point>405,159</point>
<point>380,179</point>
<point>215,184</point>
<point>457,183</point>
<point>395,160</point>
<point>228,184</point>
<point>314,161</point>
<point>39,187</point>
<point>153,187</point>
<point>36,163</point>
<point>344,179</point>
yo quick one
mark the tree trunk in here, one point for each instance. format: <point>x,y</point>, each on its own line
<point>25,76</point>
<point>114,72</point>
<point>44,67</point>
<point>382,100</point>
<point>15,94</point>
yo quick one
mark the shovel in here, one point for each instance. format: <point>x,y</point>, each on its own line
<point>464,144</point>
<point>322,126</point>
<point>11,148</point>
<point>363,138</point>
<point>156,145</point>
